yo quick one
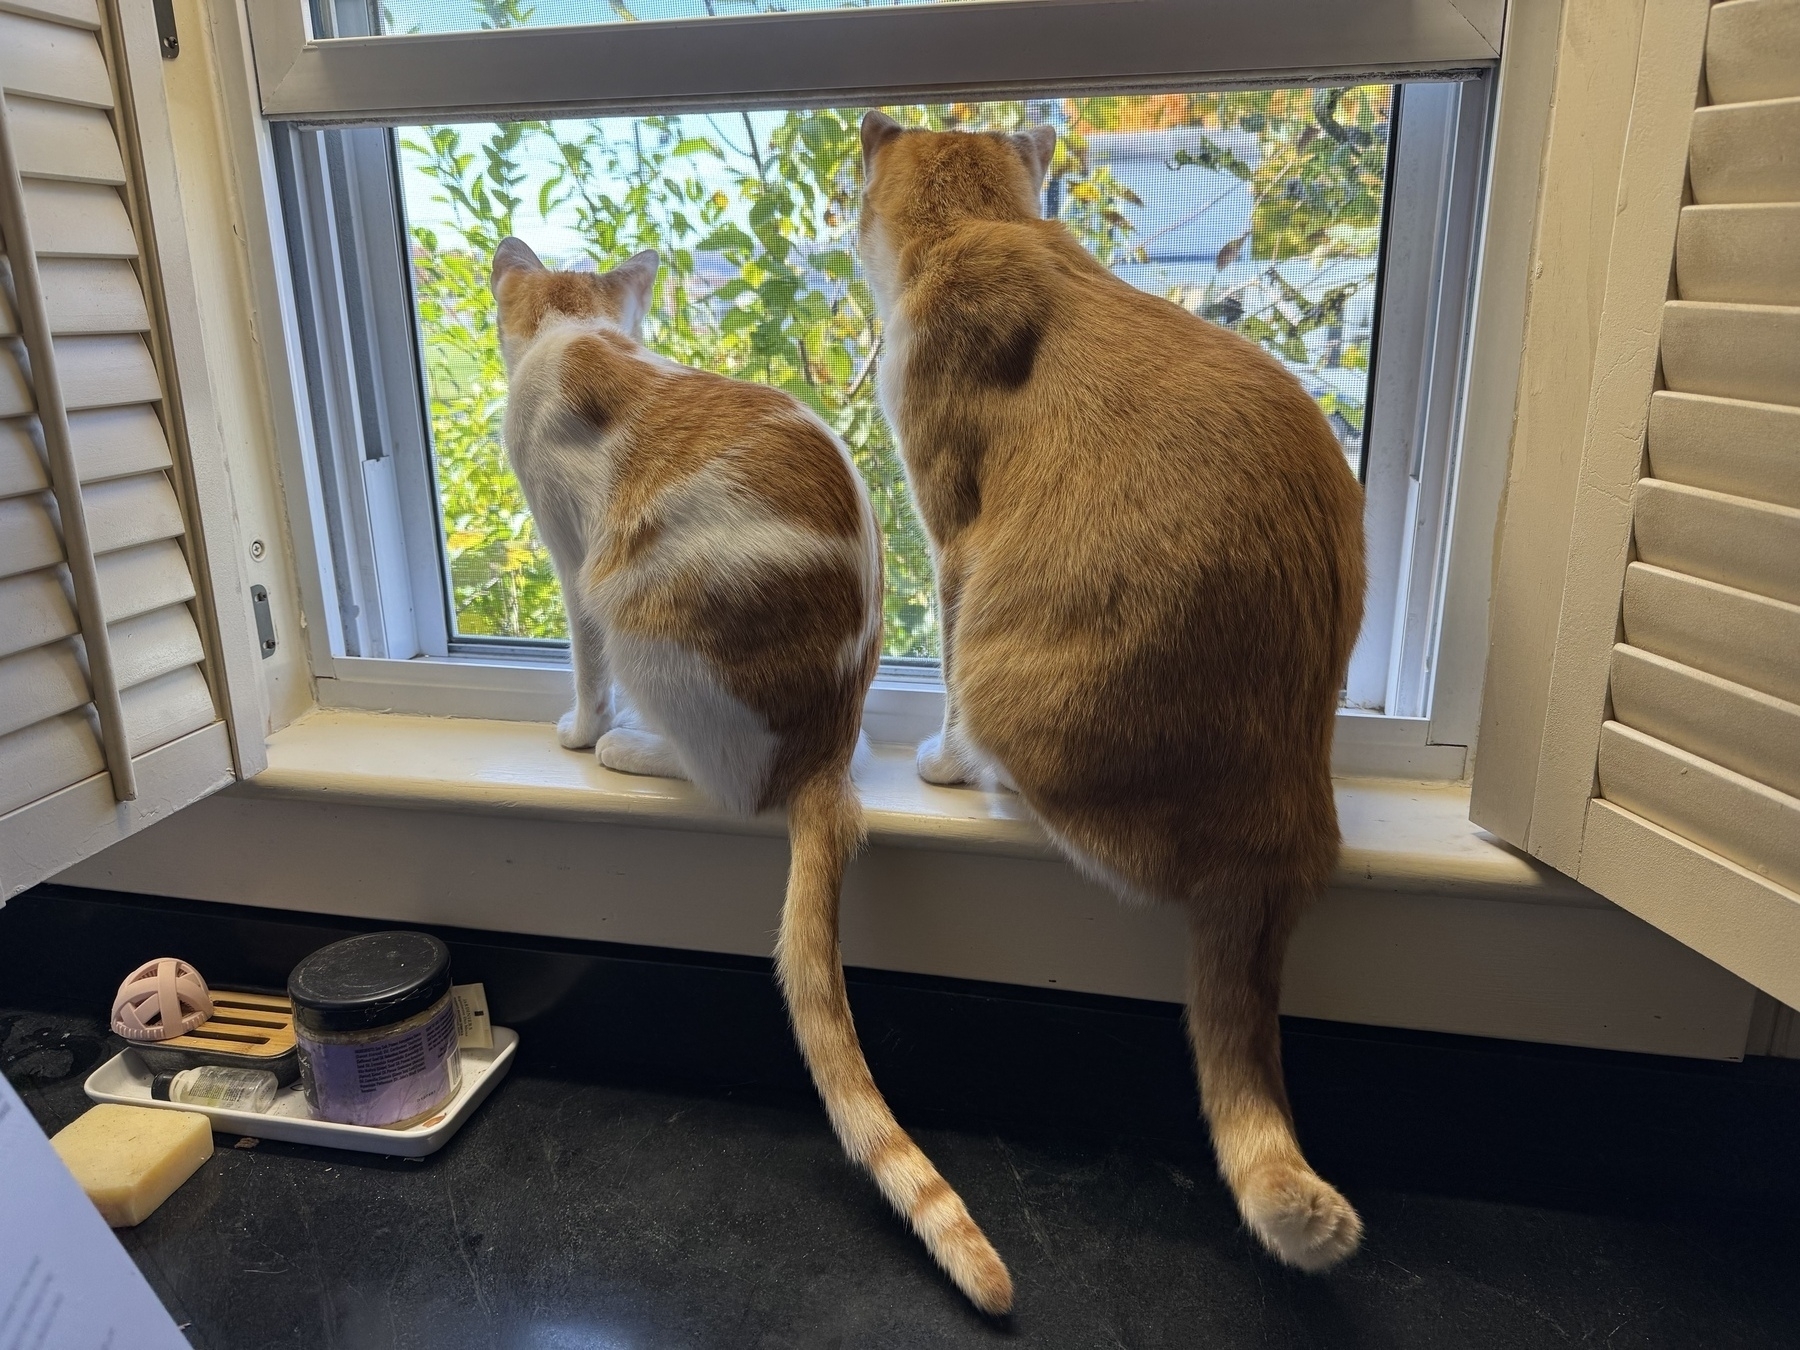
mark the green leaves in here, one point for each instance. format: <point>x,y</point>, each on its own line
<point>729,239</point>
<point>755,218</point>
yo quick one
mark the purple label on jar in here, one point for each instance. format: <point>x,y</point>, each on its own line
<point>383,1081</point>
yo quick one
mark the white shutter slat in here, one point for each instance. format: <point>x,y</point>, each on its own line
<point>69,144</point>
<point>85,13</point>
<point>1736,817</point>
<point>126,512</point>
<point>104,372</point>
<point>1734,726</point>
<point>109,443</point>
<point>52,61</point>
<point>138,580</point>
<point>78,220</point>
<point>1753,50</point>
<point>1724,911</point>
<point>93,295</point>
<point>1746,252</point>
<point>47,757</point>
<point>1747,449</point>
<point>39,684</point>
<point>21,466</point>
<point>1747,639</point>
<point>37,611</point>
<point>28,537</point>
<point>154,644</point>
<point>15,389</point>
<point>1754,546</point>
<point>113,442</point>
<point>1747,352</point>
<point>166,708</point>
<point>1742,152</point>
<point>97,372</point>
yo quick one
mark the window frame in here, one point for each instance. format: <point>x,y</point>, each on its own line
<point>1443,144</point>
<point>908,53</point>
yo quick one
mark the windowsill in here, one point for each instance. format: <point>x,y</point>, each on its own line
<point>490,825</point>
<point>1399,837</point>
<point>903,708</point>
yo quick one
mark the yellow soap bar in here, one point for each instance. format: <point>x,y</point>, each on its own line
<point>129,1159</point>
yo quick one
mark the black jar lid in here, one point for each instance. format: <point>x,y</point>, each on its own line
<point>373,980</point>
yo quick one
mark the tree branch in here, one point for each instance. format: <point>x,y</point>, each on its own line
<point>755,153</point>
<point>863,374</point>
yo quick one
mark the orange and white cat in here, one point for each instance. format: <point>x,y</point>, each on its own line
<point>1149,560</point>
<point>720,563</point>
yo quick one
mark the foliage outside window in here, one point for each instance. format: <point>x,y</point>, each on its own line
<point>1260,210</point>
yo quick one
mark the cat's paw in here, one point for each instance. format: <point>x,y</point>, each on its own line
<point>578,729</point>
<point>1301,1218</point>
<point>940,765</point>
<point>626,750</point>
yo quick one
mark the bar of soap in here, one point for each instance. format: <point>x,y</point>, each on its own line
<point>129,1159</point>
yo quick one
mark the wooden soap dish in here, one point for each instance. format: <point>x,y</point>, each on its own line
<point>260,1026</point>
<point>246,1031</point>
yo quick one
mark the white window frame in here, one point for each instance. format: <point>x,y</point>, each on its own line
<point>375,575</point>
<point>906,53</point>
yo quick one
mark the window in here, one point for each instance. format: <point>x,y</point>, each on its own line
<point>1259,210</point>
<point>1331,221</point>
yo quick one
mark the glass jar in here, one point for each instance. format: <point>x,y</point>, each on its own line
<point>376,1030</point>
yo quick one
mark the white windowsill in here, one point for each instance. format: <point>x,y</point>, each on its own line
<point>1406,837</point>
<point>490,825</point>
<point>902,709</point>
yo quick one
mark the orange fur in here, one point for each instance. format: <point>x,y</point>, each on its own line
<point>1150,561</point>
<point>652,481</point>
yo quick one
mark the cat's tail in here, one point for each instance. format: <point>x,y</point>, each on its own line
<point>825,827</point>
<point>1234,995</point>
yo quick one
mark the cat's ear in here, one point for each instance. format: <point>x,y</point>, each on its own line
<point>877,130</point>
<point>636,277</point>
<point>513,255</point>
<point>1037,147</point>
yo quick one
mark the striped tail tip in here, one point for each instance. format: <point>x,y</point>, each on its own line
<point>959,1246</point>
<point>977,1270</point>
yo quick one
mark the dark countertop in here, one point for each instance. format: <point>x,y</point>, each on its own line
<point>656,1196</point>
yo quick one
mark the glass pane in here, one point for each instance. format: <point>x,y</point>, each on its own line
<point>456,16</point>
<point>1257,210</point>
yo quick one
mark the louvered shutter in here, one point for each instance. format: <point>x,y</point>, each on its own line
<point>1669,773</point>
<point>112,686</point>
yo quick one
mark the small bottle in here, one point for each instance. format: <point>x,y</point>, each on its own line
<point>226,1089</point>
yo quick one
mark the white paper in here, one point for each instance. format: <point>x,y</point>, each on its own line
<point>474,1029</point>
<point>65,1282</point>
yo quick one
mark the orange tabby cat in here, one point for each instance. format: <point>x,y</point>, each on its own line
<point>1149,559</point>
<point>720,562</point>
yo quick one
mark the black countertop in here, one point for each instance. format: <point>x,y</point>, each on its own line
<point>654,1173</point>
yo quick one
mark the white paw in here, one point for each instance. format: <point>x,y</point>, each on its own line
<point>1302,1220</point>
<point>625,750</point>
<point>938,765</point>
<point>578,728</point>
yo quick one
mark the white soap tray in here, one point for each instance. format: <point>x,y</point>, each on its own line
<point>123,1078</point>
